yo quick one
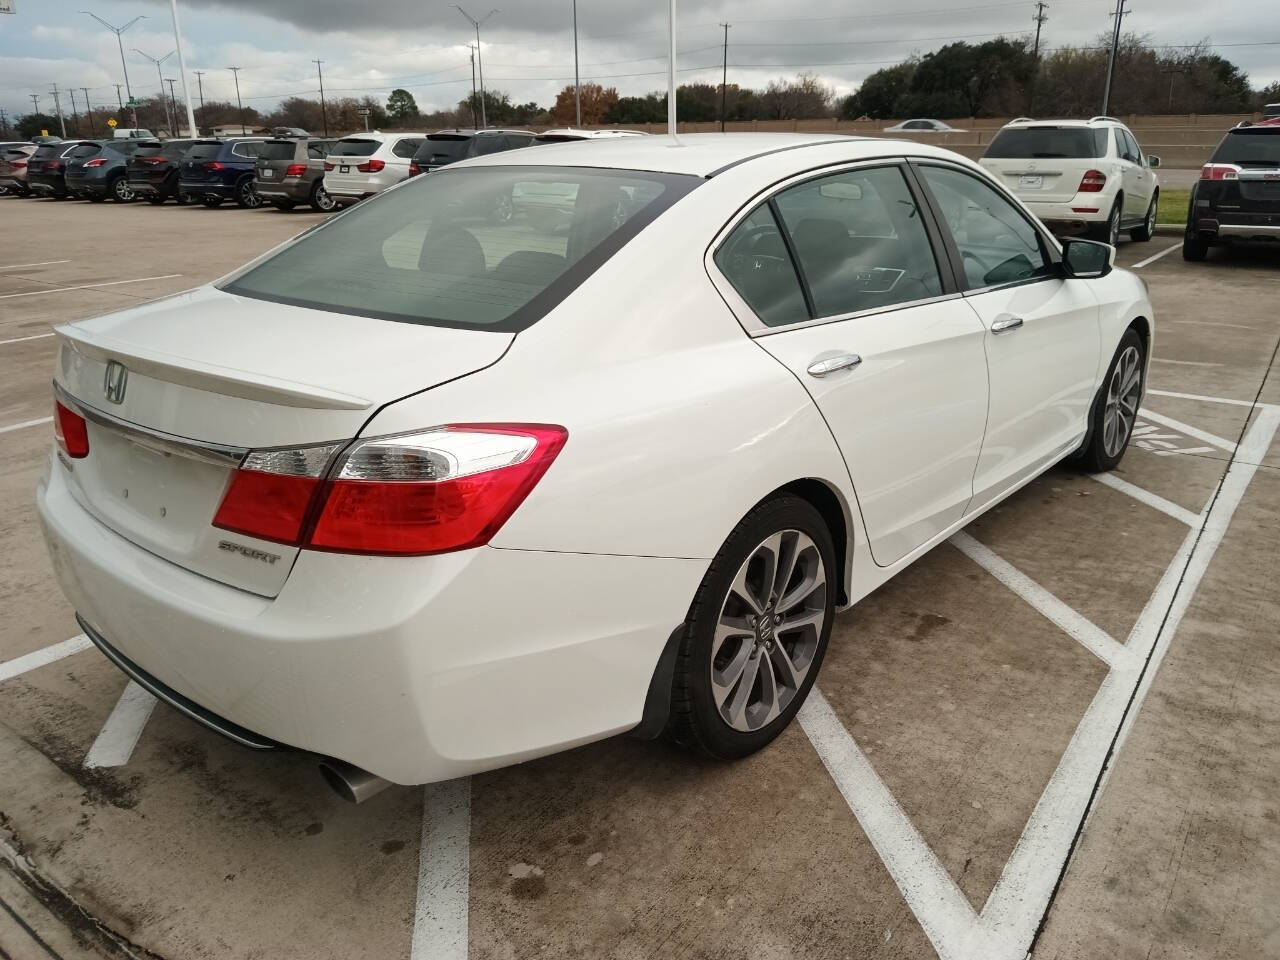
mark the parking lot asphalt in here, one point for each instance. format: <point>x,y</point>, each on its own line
<point>1100,649</point>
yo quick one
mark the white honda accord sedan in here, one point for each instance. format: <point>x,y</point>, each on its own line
<point>426,492</point>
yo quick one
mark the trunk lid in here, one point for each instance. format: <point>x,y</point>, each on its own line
<point>275,158</point>
<point>210,375</point>
<point>1045,163</point>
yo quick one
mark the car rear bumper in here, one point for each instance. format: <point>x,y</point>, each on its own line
<point>87,188</point>
<point>55,186</point>
<point>1259,227</point>
<point>198,188</point>
<point>293,189</point>
<point>416,669</point>
<point>1074,216</point>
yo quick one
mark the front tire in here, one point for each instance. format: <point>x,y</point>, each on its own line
<point>757,631</point>
<point>1115,409</point>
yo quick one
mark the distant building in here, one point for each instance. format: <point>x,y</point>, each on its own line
<point>235,130</point>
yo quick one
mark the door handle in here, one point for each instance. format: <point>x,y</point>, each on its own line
<point>846,361</point>
<point>1005,324</point>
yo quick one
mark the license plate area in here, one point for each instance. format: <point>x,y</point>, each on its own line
<point>1030,181</point>
<point>345,168</point>
<point>268,173</point>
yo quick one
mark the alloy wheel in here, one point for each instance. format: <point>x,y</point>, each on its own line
<point>122,191</point>
<point>249,196</point>
<point>1123,393</point>
<point>1113,226</point>
<point>1152,216</point>
<point>768,631</point>
<point>323,201</point>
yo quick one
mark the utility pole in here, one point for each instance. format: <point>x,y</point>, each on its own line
<point>174,101</point>
<point>57,106</point>
<point>4,123</point>
<point>1111,62</point>
<point>475,120</point>
<point>118,31</point>
<point>160,76</point>
<point>119,99</point>
<point>577,84</point>
<point>484,120</point>
<point>1039,18</point>
<point>724,76</point>
<point>200,85</point>
<point>671,71</point>
<point>182,69</point>
<point>324,114</point>
<point>235,72</point>
<point>75,117</point>
<point>88,110</point>
<point>35,104</point>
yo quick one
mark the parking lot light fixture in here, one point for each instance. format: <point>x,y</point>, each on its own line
<point>160,75</point>
<point>484,120</point>
<point>118,31</point>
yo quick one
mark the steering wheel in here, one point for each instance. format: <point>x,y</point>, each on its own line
<point>742,255</point>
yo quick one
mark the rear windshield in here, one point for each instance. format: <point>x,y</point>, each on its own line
<point>1259,146</point>
<point>436,252</point>
<point>148,150</point>
<point>444,148</point>
<point>355,148</point>
<point>176,149</point>
<point>47,151</point>
<point>556,138</point>
<point>85,150</point>
<point>1271,110</point>
<point>204,151</point>
<point>278,150</point>
<point>1049,143</point>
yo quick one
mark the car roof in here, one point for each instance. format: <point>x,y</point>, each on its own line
<point>699,154</point>
<point>1091,123</point>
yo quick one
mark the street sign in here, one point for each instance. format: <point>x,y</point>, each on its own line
<point>8,6</point>
<point>111,122</point>
<point>362,111</point>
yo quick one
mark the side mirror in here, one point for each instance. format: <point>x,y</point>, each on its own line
<point>1153,162</point>
<point>1087,259</point>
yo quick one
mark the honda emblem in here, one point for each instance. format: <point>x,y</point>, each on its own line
<point>114,381</point>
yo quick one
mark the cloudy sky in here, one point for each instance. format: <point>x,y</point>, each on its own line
<point>372,46</point>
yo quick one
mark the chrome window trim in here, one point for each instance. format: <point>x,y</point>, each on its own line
<point>746,316</point>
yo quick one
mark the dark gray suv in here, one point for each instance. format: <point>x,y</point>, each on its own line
<point>291,171</point>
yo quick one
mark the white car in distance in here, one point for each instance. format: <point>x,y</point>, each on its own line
<point>922,125</point>
<point>1079,176</point>
<point>364,164</point>
<point>425,494</point>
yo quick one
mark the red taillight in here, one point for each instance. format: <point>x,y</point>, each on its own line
<point>96,162</point>
<point>214,165</point>
<point>151,161</point>
<point>370,166</point>
<point>1093,181</point>
<point>327,166</point>
<point>19,163</point>
<point>414,169</point>
<point>296,170</point>
<point>71,431</point>
<point>1220,171</point>
<point>449,488</point>
<point>54,165</point>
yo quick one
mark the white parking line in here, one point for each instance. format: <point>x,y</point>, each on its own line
<point>1202,435</point>
<point>1167,507</point>
<point>1215,323</point>
<point>38,336</point>
<point>119,735</point>
<point>42,263</point>
<point>24,424</point>
<point>1198,396</point>
<point>1184,363</point>
<point>1074,624</point>
<point>39,658</point>
<point>1151,260</point>
<point>85,286</point>
<point>444,873</point>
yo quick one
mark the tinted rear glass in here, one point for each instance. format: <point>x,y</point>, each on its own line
<point>355,148</point>
<point>204,151</point>
<point>557,138</point>
<point>148,150</point>
<point>278,150</point>
<point>443,149</point>
<point>49,151</point>
<point>1260,145</point>
<point>436,254</point>
<point>176,149</point>
<point>85,150</point>
<point>1050,143</point>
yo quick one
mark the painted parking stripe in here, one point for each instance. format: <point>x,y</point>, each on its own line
<point>24,424</point>
<point>1185,363</point>
<point>38,336</point>
<point>444,873</point>
<point>85,286</point>
<point>42,263</point>
<point>1199,396</point>
<point>1092,637</point>
<point>1167,507</point>
<point>1185,428</point>
<point>119,735</point>
<point>40,658</point>
<point>1215,323</point>
<point>1150,260</point>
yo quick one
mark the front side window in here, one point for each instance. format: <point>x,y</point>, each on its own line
<point>996,242</point>
<point>755,260</point>
<point>860,241</point>
<point>432,254</point>
<point>1135,151</point>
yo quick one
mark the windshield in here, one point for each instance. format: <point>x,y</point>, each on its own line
<point>278,150</point>
<point>463,249</point>
<point>1257,146</point>
<point>1056,143</point>
<point>355,148</point>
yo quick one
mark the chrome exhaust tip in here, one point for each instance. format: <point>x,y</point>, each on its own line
<point>350,782</point>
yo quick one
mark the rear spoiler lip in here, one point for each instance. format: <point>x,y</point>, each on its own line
<point>189,372</point>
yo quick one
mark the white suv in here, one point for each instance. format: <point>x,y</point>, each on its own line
<point>1079,176</point>
<point>367,163</point>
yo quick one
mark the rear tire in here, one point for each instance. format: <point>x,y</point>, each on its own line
<point>1115,409</point>
<point>321,201</point>
<point>247,196</point>
<point>1194,248</point>
<point>1109,232</point>
<point>755,637</point>
<point>120,191</point>
<point>1148,229</point>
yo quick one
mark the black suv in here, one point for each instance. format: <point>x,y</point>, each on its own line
<point>1237,198</point>
<point>47,168</point>
<point>450,146</point>
<point>153,169</point>
<point>214,171</point>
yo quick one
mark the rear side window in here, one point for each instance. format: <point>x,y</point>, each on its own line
<point>278,150</point>
<point>436,254</point>
<point>407,148</point>
<point>126,147</point>
<point>85,150</point>
<point>997,244</point>
<point>355,148</point>
<point>1049,143</point>
<point>1256,146</point>
<point>204,151</point>
<point>247,150</point>
<point>755,260</point>
<point>318,151</point>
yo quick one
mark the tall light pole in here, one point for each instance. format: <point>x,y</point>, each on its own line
<point>1111,63</point>
<point>724,76</point>
<point>671,71</point>
<point>182,70</point>
<point>160,76</point>
<point>484,120</point>
<point>324,114</point>
<point>118,31</point>
<point>235,72</point>
<point>475,120</point>
<point>577,85</point>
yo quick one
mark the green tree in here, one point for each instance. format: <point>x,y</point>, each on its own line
<point>402,109</point>
<point>879,94</point>
<point>32,124</point>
